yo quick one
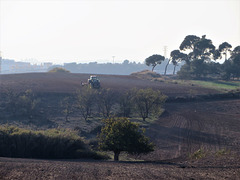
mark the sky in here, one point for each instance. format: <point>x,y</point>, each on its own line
<point>85,31</point>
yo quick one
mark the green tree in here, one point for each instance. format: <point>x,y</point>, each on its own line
<point>177,57</point>
<point>189,42</point>
<point>168,61</point>
<point>231,67</point>
<point>204,49</point>
<point>201,51</point>
<point>154,60</point>
<point>235,58</point>
<point>224,48</point>
<point>148,101</point>
<point>227,68</point>
<point>119,134</point>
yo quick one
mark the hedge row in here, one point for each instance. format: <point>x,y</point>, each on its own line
<point>53,143</point>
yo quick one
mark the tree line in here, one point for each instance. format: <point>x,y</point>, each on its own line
<point>117,133</point>
<point>201,59</point>
<point>107,102</point>
<point>86,103</point>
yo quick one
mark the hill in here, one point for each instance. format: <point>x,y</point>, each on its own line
<point>200,138</point>
<point>70,82</point>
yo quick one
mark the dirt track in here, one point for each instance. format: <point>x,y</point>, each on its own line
<point>42,169</point>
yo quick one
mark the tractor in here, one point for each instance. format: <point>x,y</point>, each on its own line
<point>94,82</point>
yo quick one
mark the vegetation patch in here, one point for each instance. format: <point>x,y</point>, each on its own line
<point>199,154</point>
<point>120,134</point>
<point>52,143</point>
<point>220,85</point>
<point>58,70</point>
<point>222,152</point>
<point>146,74</point>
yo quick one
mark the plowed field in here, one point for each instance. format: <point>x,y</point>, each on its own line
<point>69,82</point>
<point>184,128</point>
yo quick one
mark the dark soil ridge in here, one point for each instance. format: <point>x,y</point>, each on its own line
<point>204,97</point>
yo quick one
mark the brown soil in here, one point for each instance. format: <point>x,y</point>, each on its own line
<point>69,82</point>
<point>213,126</point>
<point>47,169</point>
<point>186,127</point>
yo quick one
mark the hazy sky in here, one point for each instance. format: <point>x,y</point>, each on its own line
<point>82,31</point>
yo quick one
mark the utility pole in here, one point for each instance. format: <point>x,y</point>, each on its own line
<point>113,59</point>
<point>165,51</point>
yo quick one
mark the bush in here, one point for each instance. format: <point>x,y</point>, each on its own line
<point>199,154</point>
<point>53,143</point>
<point>58,70</point>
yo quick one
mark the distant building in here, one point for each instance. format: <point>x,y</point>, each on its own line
<point>47,64</point>
<point>9,66</point>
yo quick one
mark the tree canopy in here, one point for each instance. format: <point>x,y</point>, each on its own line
<point>177,57</point>
<point>224,48</point>
<point>188,42</point>
<point>154,60</point>
<point>148,101</point>
<point>120,134</point>
<point>202,59</point>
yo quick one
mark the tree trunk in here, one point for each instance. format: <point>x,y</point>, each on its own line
<point>166,67</point>
<point>174,69</point>
<point>67,117</point>
<point>116,155</point>
<point>225,56</point>
<point>144,118</point>
<point>153,68</point>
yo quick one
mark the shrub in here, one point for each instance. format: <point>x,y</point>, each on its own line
<point>53,143</point>
<point>222,152</point>
<point>200,153</point>
<point>58,70</point>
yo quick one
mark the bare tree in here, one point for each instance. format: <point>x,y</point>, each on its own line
<point>86,98</point>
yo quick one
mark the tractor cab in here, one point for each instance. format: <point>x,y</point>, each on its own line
<point>94,82</point>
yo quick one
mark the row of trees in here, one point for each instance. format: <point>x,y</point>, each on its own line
<point>201,59</point>
<point>106,102</point>
<point>86,103</point>
<point>117,134</point>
